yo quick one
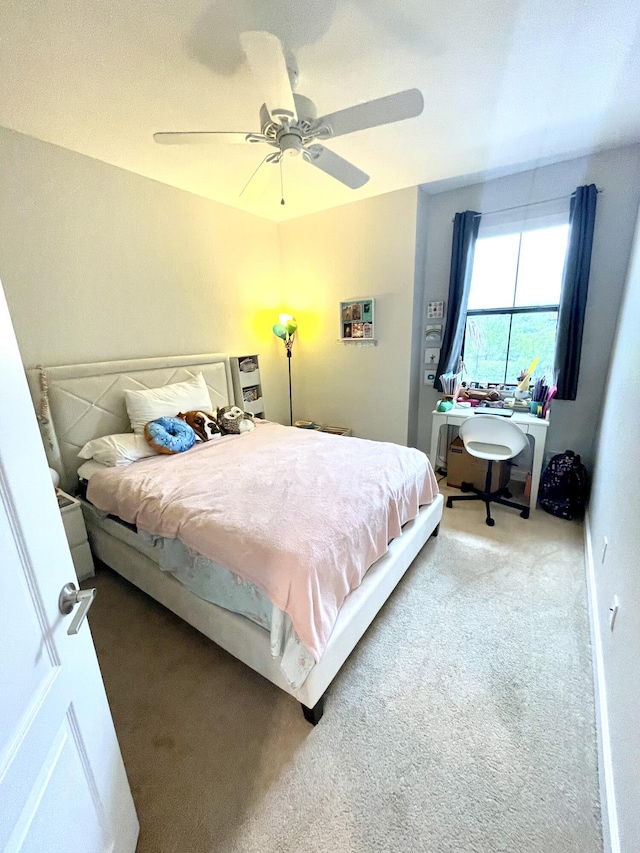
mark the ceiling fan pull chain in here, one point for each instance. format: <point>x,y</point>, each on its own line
<point>281,183</point>
<point>254,173</point>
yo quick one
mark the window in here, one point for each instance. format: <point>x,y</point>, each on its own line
<point>512,313</point>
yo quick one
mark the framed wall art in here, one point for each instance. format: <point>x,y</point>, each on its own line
<point>433,334</point>
<point>357,320</point>
<point>435,310</point>
<point>431,357</point>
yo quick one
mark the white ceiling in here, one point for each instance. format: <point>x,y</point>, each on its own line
<point>507,83</point>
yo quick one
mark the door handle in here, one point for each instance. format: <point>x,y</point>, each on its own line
<point>70,596</point>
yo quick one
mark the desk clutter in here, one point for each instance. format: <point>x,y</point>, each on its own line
<point>490,401</point>
<point>503,400</point>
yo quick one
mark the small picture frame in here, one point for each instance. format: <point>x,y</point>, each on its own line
<point>357,321</point>
<point>433,334</point>
<point>431,356</point>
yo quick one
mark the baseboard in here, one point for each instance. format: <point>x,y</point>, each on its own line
<point>610,834</point>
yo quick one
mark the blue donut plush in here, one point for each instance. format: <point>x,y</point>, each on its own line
<point>169,435</point>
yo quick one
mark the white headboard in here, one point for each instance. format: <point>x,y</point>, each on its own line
<point>78,402</point>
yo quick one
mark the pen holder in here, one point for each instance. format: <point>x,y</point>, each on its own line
<point>534,405</point>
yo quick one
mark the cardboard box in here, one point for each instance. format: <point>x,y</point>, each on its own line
<point>462,467</point>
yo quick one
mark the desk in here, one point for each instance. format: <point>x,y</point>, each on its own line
<point>529,424</point>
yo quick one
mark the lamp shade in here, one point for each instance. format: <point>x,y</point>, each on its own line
<point>291,326</point>
<point>280,331</point>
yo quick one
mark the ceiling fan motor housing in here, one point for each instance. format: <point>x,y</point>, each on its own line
<point>273,129</point>
<point>290,142</point>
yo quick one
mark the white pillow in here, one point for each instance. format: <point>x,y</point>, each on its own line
<point>122,449</point>
<point>87,469</point>
<point>166,402</point>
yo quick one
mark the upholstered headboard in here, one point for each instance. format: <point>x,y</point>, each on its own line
<point>78,402</point>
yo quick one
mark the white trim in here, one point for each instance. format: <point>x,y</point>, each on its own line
<point>610,833</point>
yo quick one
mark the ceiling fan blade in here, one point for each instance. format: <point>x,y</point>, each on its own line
<point>253,187</point>
<point>402,105</point>
<point>267,63</point>
<point>339,168</point>
<point>196,137</point>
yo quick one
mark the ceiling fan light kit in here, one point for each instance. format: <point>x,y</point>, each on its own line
<point>289,122</point>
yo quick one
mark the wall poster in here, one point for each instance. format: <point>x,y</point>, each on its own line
<point>357,320</point>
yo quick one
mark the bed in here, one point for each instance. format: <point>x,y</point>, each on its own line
<point>77,403</point>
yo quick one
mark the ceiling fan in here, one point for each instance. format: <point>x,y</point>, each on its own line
<point>289,121</point>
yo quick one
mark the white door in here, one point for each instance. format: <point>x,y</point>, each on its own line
<point>63,786</point>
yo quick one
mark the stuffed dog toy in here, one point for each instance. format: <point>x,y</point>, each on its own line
<point>232,420</point>
<point>204,424</point>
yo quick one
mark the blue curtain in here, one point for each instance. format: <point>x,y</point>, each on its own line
<point>465,233</point>
<point>575,285</point>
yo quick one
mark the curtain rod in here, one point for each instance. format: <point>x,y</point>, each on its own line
<point>530,204</point>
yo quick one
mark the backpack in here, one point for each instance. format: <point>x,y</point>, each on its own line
<point>563,486</point>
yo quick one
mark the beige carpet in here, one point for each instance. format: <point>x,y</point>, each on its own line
<point>463,722</point>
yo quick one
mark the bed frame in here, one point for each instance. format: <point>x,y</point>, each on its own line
<point>76,403</point>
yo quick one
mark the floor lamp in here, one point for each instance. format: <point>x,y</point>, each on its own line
<point>286,330</point>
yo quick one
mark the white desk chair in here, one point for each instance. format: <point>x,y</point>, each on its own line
<point>495,439</point>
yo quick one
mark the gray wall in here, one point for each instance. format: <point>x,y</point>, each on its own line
<point>98,263</point>
<point>617,172</point>
<point>615,513</point>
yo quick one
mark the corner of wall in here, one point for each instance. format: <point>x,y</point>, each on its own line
<point>420,270</point>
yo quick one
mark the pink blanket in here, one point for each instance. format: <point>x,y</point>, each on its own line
<point>300,513</point>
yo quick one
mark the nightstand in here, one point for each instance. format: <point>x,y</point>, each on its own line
<point>73,521</point>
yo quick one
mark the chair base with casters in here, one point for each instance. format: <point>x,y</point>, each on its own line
<point>489,497</point>
<point>486,437</point>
